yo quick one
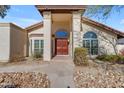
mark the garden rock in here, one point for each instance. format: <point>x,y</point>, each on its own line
<point>24,80</point>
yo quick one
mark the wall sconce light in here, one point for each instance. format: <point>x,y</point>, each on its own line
<point>53,36</point>
<point>68,40</point>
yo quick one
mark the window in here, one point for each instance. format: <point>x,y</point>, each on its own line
<point>38,47</point>
<point>61,34</point>
<point>91,43</point>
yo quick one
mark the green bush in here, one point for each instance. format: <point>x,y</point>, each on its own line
<point>109,58</point>
<point>112,58</point>
<point>80,56</point>
<point>101,57</point>
<point>37,55</point>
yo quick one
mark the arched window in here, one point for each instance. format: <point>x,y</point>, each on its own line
<point>91,43</point>
<point>61,34</point>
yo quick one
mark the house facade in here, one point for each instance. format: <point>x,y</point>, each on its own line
<point>63,29</point>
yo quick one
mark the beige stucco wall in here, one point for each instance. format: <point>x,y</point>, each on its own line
<point>13,42</point>
<point>120,48</point>
<point>4,42</point>
<point>18,42</point>
<point>104,38</point>
<point>35,32</point>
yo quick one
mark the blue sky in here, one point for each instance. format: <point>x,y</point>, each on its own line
<point>26,15</point>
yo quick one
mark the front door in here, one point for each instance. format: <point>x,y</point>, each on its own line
<point>61,46</point>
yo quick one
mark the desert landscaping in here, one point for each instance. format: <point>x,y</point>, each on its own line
<point>39,74</point>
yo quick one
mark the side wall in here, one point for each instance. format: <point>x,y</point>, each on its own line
<point>18,43</point>
<point>4,42</point>
<point>104,38</point>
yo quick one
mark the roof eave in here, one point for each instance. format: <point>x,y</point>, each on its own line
<point>84,19</point>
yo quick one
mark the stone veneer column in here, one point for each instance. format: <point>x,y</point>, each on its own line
<point>47,36</point>
<point>76,28</point>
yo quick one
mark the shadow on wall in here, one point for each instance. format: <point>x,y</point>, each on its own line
<point>102,50</point>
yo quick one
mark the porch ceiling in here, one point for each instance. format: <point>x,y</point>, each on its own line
<point>61,17</point>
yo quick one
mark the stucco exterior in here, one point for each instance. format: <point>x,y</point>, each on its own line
<point>13,44</point>
<point>18,42</point>
<point>4,42</point>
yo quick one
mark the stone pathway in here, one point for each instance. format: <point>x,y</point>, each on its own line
<point>60,73</point>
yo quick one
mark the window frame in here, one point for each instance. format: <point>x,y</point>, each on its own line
<point>40,47</point>
<point>90,40</point>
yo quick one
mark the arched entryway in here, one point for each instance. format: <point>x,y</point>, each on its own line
<point>61,42</point>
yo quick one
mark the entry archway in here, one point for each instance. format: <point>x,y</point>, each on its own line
<point>61,42</point>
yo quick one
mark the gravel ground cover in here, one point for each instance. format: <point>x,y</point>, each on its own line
<point>99,75</point>
<point>24,80</point>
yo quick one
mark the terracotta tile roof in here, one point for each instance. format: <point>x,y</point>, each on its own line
<point>60,7</point>
<point>120,33</point>
<point>40,24</point>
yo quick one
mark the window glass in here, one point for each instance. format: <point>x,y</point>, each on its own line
<point>41,44</point>
<point>36,43</point>
<point>91,43</point>
<point>61,34</point>
<point>38,47</point>
<point>90,35</point>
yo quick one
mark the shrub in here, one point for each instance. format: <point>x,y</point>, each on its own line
<point>101,57</point>
<point>109,58</point>
<point>80,56</point>
<point>112,58</point>
<point>37,55</point>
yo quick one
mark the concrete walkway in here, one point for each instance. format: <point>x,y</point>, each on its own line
<point>59,72</point>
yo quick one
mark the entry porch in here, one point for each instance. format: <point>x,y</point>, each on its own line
<point>61,33</point>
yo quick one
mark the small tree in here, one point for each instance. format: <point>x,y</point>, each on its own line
<point>102,12</point>
<point>3,10</point>
<point>111,40</point>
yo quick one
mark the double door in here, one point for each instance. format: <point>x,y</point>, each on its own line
<point>61,46</point>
